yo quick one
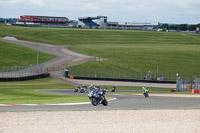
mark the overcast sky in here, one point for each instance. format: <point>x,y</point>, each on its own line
<point>169,11</point>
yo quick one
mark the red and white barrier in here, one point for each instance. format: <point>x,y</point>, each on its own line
<point>195,91</point>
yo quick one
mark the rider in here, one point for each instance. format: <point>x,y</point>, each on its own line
<point>90,87</point>
<point>113,89</point>
<point>78,86</point>
<point>98,90</point>
<point>145,89</point>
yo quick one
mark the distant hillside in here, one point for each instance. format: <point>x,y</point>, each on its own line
<point>124,51</point>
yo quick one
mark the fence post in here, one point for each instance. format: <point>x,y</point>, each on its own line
<point>7,72</point>
<point>3,72</point>
<point>15,71</point>
<point>11,72</point>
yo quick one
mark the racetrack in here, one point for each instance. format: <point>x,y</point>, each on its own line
<point>121,102</point>
<point>124,114</point>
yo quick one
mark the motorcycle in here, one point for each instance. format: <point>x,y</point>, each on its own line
<point>113,89</point>
<point>83,89</point>
<point>146,93</point>
<point>77,89</point>
<point>97,97</point>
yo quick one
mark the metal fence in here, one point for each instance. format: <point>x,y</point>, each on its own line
<point>24,71</point>
<point>21,71</point>
<point>121,74</point>
<point>197,84</point>
<point>186,86</point>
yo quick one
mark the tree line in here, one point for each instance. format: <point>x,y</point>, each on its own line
<point>180,27</point>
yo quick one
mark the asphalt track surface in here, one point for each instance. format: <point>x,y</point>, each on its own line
<point>121,102</point>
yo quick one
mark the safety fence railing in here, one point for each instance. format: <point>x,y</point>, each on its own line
<point>187,85</point>
<point>197,83</point>
<point>24,71</point>
<point>79,72</point>
<point>21,71</point>
<point>127,73</point>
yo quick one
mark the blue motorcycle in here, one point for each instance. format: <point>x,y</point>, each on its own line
<point>97,97</point>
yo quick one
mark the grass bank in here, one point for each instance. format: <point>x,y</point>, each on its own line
<point>124,51</point>
<point>15,55</point>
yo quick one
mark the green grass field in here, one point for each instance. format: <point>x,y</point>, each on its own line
<point>24,92</point>
<point>15,55</point>
<point>125,51</point>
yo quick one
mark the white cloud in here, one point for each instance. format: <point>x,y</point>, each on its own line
<point>178,11</point>
<point>37,2</point>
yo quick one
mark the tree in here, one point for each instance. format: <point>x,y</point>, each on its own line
<point>166,26</point>
<point>198,25</point>
<point>192,27</point>
<point>173,27</point>
<point>183,27</point>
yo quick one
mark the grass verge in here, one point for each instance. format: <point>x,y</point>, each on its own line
<point>24,92</point>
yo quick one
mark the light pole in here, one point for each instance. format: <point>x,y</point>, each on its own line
<point>157,71</point>
<point>37,54</point>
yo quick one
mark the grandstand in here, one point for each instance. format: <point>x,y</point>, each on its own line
<point>131,26</point>
<point>44,21</point>
<point>99,22</point>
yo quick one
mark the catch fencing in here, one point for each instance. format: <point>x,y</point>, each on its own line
<point>21,71</point>
<point>186,86</point>
<point>25,71</point>
<point>92,73</point>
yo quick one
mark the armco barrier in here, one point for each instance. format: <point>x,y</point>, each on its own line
<point>44,75</point>
<point>128,80</point>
